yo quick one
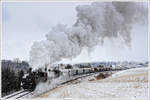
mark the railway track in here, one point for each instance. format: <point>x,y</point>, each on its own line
<point>76,78</point>
<point>18,94</point>
<point>24,95</point>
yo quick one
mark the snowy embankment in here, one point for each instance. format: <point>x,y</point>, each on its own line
<point>51,84</point>
<point>135,75</point>
<point>132,83</point>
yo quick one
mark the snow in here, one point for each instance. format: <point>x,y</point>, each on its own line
<point>104,90</point>
<point>52,84</point>
<point>131,83</point>
<point>131,72</point>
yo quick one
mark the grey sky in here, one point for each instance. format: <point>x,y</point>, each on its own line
<point>24,23</point>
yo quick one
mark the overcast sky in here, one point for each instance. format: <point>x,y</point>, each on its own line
<point>24,23</point>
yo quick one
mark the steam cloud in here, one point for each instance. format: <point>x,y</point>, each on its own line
<point>94,23</point>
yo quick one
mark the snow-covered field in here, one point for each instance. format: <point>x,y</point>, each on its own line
<point>132,83</point>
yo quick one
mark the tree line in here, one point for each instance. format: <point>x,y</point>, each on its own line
<point>11,78</point>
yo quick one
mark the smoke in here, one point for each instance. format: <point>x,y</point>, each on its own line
<point>94,23</point>
<point>51,84</point>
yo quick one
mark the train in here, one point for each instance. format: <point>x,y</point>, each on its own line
<point>33,78</point>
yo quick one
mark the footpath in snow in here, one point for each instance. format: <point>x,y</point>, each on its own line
<point>132,83</point>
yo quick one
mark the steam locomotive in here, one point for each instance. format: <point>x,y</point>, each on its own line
<point>30,81</point>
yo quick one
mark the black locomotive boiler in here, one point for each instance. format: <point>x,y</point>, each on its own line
<point>30,80</point>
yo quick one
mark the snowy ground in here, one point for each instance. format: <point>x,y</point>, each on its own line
<point>132,83</point>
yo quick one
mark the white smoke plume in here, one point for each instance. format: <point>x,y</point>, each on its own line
<point>94,23</point>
